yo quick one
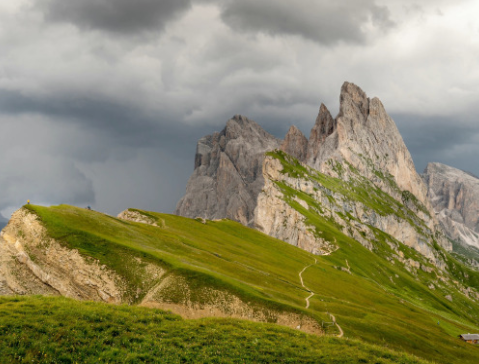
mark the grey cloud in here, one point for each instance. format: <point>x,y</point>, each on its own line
<point>44,180</point>
<point>117,118</point>
<point>446,140</point>
<point>116,16</point>
<point>323,21</point>
<point>3,222</point>
<point>32,170</point>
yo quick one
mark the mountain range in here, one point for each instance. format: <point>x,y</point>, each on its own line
<point>334,234</point>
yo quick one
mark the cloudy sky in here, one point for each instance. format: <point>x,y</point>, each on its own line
<point>102,101</point>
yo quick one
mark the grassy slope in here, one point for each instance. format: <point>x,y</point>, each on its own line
<point>60,330</point>
<point>264,271</point>
<point>405,295</point>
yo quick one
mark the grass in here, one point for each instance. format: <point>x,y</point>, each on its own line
<point>263,271</point>
<point>59,330</point>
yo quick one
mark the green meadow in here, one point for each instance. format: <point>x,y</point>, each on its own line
<point>401,314</point>
<point>60,330</point>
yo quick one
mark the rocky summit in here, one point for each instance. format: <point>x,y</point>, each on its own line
<point>228,172</point>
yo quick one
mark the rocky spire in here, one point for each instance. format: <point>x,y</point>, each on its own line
<point>353,103</point>
<point>325,125</point>
<point>295,143</point>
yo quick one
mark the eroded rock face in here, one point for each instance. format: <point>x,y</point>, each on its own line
<point>33,263</point>
<point>275,216</point>
<point>455,197</point>
<point>135,216</point>
<point>325,126</point>
<point>295,144</point>
<point>228,172</point>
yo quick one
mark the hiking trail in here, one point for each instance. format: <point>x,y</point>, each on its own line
<point>341,332</point>
<point>302,283</point>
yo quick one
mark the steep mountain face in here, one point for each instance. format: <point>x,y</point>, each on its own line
<point>349,166</point>
<point>364,136</point>
<point>228,172</point>
<point>454,195</point>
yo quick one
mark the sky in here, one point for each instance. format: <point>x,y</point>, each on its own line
<point>102,101</point>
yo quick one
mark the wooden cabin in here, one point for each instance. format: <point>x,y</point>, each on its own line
<point>470,338</point>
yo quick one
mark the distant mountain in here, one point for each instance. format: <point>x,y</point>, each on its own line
<point>454,195</point>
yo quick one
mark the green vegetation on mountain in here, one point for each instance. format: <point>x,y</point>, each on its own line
<point>59,330</point>
<point>379,301</point>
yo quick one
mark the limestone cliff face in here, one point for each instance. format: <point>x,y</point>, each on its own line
<point>33,263</point>
<point>275,217</point>
<point>290,202</point>
<point>455,197</point>
<point>295,144</point>
<point>228,172</point>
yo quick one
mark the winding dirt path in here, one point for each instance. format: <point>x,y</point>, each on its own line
<point>341,332</point>
<point>302,283</point>
<point>333,318</point>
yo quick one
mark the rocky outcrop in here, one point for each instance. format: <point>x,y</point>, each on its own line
<point>275,217</point>
<point>325,126</point>
<point>228,172</point>
<point>455,197</point>
<point>33,263</point>
<point>136,216</point>
<point>295,144</point>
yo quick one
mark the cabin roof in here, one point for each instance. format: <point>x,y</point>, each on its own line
<point>470,336</point>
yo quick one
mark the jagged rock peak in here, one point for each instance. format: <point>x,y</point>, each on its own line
<point>295,143</point>
<point>324,126</point>
<point>228,172</point>
<point>353,102</point>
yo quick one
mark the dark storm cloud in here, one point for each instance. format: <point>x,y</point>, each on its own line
<point>104,113</point>
<point>323,21</point>
<point>447,140</point>
<point>116,16</point>
<point>102,124</point>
